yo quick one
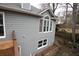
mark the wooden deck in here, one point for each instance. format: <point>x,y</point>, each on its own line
<point>9,47</point>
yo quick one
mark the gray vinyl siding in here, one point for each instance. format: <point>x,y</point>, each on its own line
<point>26,28</point>
<point>27,31</point>
<point>50,36</point>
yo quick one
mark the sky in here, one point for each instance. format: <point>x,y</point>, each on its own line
<point>36,4</point>
<point>61,10</point>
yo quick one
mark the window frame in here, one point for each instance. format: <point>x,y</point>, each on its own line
<point>51,25</point>
<point>40,25</point>
<point>3,25</point>
<point>46,24</point>
<point>42,44</point>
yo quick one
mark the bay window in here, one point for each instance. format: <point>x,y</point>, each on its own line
<point>45,24</point>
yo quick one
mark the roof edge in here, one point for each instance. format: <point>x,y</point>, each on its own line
<point>44,11</point>
<point>48,9</point>
<point>20,11</point>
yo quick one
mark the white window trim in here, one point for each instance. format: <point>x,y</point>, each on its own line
<point>52,25</point>
<point>42,24</point>
<point>3,25</point>
<point>43,46</point>
<point>21,5</point>
<point>46,24</point>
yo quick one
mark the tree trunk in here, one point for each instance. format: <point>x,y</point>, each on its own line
<point>53,7</point>
<point>66,14</point>
<point>74,17</point>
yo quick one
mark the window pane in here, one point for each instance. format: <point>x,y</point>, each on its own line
<point>44,43</point>
<point>47,25</point>
<point>45,40</point>
<point>41,24</point>
<point>44,25</point>
<point>51,26</point>
<point>39,45</point>
<point>1,25</point>
<point>1,31</point>
<point>1,19</point>
<point>39,42</point>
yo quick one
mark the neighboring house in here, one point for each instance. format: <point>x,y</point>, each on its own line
<point>35,29</point>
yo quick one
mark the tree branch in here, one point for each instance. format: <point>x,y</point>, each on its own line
<point>70,5</point>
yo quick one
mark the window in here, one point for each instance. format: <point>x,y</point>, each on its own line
<point>42,43</point>
<point>45,42</point>
<point>39,43</point>
<point>41,24</point>
<point>51,26</point>
<point>45,24</point>
<point>2,29</point>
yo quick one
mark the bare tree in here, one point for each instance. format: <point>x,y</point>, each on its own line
<point>74,18</point>
<point>74,21</point>
<point>66,7</point>
<point>54,5</point>
<point>44,6</point>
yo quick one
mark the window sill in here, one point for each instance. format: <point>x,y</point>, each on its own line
<point>46,32</point>
<point>42,47</point>
<point>1,37</point>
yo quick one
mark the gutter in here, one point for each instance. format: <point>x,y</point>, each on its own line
<point>19,11</point>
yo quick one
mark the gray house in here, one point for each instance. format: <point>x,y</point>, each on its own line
<point>35,29</point>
